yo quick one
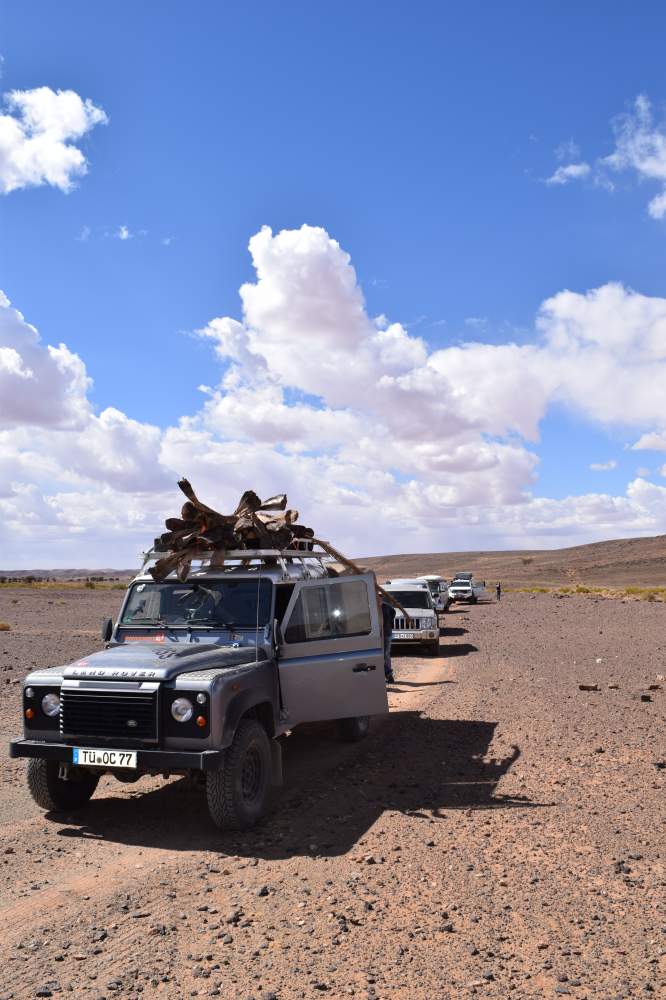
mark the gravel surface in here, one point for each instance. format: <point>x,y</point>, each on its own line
<point>500,835</point>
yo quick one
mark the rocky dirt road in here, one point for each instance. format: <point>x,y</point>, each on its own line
<point>501,834</point>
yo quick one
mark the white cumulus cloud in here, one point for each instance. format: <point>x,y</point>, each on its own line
<point>604,466</point>
<point>39,132</point>
<point>569,172</point>
<point>382,441</point>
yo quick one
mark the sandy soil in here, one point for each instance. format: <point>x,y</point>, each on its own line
<point>500,835</point>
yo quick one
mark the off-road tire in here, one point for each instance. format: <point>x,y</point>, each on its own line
<point>238,792</point>
<point>53,793</point>
<point>355,729</point>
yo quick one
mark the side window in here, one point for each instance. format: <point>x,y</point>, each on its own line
<point>335,611</point>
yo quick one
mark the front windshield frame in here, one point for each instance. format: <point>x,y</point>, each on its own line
<point>407,598</point>
<point>220,603</point>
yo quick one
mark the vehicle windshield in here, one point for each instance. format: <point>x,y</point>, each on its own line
<point>412,598</point>
<point>213,604</point>
<point>461,583</point>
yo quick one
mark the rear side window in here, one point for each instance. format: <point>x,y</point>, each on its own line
<point>334,611</point>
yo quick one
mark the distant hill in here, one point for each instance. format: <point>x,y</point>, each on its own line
<point>621,562</point>
<point>68,574</point>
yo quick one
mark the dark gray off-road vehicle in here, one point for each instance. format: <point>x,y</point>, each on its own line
<point>204,676</point>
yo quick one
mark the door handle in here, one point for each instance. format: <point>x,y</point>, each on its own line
<point>361,668</point>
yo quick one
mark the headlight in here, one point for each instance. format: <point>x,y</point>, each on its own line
<point>181,709</point>
<point>51,704</point>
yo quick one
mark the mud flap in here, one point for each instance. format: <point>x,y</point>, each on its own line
<point>276,764</point>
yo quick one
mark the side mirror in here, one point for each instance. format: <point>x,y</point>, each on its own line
<point>107,629</point>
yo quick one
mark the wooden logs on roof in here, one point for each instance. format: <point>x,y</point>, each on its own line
<point>201,532</point>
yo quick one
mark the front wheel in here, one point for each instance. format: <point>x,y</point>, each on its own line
<point>238,793</point>
<point>50,791</point>
<point>353,730</point>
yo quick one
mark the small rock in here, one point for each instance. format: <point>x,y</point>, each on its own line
<point>588,687</point>
<point>646,697</point>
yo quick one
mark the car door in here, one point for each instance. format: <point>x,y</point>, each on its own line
<point>331,657</point>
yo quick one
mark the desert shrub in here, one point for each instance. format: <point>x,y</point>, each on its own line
<point>5,627</point>
<point>650,595</point>
<point>526,560</point>
<point>581,589</point>
<point>90,584</point>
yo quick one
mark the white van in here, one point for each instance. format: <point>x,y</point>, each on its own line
<point>439,588</point>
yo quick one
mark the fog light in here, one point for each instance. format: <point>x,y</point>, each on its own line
<point>201,698</point>
<point>201,722</point>
<point>29,713</point>
<point>29,693</point>
<point>51,704</point>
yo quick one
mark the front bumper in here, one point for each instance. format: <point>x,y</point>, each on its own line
<point>146,760</point>
<point>415,635</point>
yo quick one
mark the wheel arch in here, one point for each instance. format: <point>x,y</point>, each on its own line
<point>249,704</point>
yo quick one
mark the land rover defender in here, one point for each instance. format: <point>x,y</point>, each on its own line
<point>203,677</point>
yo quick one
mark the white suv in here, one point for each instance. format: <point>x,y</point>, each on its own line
<point>421,624</point>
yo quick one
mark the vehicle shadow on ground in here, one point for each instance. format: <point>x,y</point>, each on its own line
<point>334,792</point>
<point>457,649</point>
<point>444,631</point>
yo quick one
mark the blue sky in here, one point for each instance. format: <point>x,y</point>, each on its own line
<point>419,136</point>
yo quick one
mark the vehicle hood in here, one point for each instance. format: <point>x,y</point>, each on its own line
<point>155,661</point>
<point>419,612</point>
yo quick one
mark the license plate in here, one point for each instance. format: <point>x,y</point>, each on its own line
<point>403,635</point>
<point>103,758</point>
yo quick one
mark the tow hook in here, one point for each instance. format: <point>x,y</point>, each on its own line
<point>63,772</point>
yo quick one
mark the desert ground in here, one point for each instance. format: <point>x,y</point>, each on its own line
<point>500,834</point>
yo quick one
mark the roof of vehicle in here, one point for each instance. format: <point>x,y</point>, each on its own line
<point>431,577</point>
<point>411,581</point>
<point>463,576</point>
<point>280,566</point>
<point>397,585</point>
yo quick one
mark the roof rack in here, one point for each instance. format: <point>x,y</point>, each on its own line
<point>304,558</point>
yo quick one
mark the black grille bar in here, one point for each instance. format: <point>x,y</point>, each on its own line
<point>109,716</point>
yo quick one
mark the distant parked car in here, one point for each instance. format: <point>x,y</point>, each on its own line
<point>465,588</point>
<point>439,588</point>
<point>421,624</point>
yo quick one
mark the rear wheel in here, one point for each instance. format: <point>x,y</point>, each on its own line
<point>238,793</point>
<point>353,730</point>
<point>53,792</point>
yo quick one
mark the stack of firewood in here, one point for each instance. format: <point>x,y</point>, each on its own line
<point>201,531</point>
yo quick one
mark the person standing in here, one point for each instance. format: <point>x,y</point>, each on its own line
<point>388,618</point>
<point>498,591</point>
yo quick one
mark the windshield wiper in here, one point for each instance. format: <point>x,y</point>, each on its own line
<point>147,621</point>
<point>207,623</point>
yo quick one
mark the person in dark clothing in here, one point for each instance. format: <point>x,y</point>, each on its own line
<point>498,591</point>
<point>388,618</point>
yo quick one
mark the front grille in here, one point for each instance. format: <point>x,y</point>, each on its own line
<point>122,716</point>
<point>405,624</point>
